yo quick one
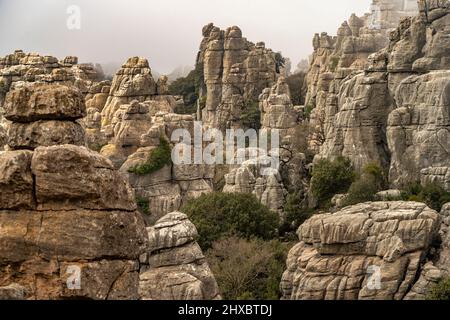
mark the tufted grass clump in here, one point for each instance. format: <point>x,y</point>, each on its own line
<point>158,158</point>
<point>440,291</point>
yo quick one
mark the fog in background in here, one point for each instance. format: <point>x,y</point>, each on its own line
<point>167,32</point>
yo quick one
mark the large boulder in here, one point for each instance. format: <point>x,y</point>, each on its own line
<point>373,250</point>
<point>175,267</point>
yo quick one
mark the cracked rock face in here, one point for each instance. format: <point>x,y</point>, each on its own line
<point>175,268</point>
<point>44,115</point>
<point>235,71</point>
<point>68,221</point>
<point>367,251</point>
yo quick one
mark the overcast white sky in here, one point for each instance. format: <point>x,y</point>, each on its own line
<point>167,32</point>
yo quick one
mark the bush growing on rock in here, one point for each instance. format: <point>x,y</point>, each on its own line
<point>330,178</point>
<point>251,115</point>
<point>441,291</point>
<point>294,214</point>
<point>432,194</point>
<point>296,87</point>
<point>364,189</point>
<point>159,157</point>
<point>188,87</point>
<point>219,214</point>
<point>248,269</point>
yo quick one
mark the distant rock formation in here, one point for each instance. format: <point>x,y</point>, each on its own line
<point>174,267</point>
<point>235,72</point>
<point>334,61</point>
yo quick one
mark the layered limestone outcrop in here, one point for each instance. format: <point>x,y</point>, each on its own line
<point>341,95</point>
<point>44,114</point>
<point>174,268</point>
<point>133,81</point>
<point>394,110</point>
<point>22,69</point>
<point>367,251</point>
<point>167,189</point>
<point>235,72</point>
<point>68,220</point>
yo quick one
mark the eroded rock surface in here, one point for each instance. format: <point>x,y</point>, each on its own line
<point>367,251</point>
<point>174,267</point>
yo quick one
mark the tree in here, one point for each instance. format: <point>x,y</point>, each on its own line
<point>220,214</point>
<point>296,87</point>
<point>248,269</point>
<point>330,178</point>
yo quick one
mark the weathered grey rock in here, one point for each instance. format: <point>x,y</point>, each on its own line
<point>70,177</point>
<point>133,81</point>
<point>367,251</point>
<point>16,180</point>
<point>12,292</point>
<point>416,132</point>
<point>175,267</point>
<point>44,133</point>
<point>40,101</point>
<point>235,71</point>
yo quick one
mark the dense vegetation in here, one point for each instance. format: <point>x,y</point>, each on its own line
<point>158,158</point>
<point>330,178</point>
<point>189,88</point>
<point>441,291</point>
<point>217,215</point>
<point>248,269</point>
<point>251,115</point>
<point>365,188</point>
<point>297,88</point>
<point>432,194</point>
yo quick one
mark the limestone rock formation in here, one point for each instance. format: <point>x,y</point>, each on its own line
<point>235,72</point>
<point>68,220</point>
<point>133,81</point>
<point>175,268</point>
<point>332,84</point>
<point>368,251</point>
<point>167,189</point>
<point>44,115</point>
<point>256,176</point>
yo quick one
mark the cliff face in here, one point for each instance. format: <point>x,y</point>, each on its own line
<point>335,60</point>
<point>68,220</point>
<point>235,72</point>
<point>395,111</point>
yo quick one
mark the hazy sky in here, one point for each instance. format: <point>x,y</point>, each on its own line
<point>167,32</point>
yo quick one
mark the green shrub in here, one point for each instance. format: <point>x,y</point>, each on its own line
<point>294,213</point>
<point>189,86</point>
<point>143,205</point>
<point>362,190</point>
<point>334,61</point>
<point>280,61</point>
<point>441,291</point>
<point>365,188</point>
<point>330,178</point>
<point>374,170</point>
<point>220,214</point>
<point>431,194</point>
<point>296,83</point>
<point>158,158</point>
<point>248,269</point>
<point>251,115</point>
<point>308,110</point>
